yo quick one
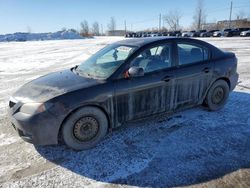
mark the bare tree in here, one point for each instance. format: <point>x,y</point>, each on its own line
<point>200,15</point>
<point>96,29</point>
<point>84,28</point>
<point>173,20</point>
<point>112,24</point>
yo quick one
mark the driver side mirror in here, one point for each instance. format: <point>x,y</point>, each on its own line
<point>135,71</point>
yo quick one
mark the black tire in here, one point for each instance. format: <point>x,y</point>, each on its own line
<point>219,35</point>
<point>85,128</point>
<point>217,95</point>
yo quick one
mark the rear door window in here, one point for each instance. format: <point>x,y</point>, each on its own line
<point>191,53</point>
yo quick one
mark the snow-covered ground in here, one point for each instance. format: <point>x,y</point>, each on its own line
<point>191,148</point>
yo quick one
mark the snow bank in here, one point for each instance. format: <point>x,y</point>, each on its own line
<point>59,35</point>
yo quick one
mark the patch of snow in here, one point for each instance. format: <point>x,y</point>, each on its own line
<point>7,139</point>
<point>22,37</point>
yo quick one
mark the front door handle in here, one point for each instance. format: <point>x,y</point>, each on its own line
<point>167,78</point>
<point>206,70</point>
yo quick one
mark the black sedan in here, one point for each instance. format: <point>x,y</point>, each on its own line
<point>124,81</point>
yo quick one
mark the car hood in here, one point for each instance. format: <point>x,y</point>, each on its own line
<point>52,85</point>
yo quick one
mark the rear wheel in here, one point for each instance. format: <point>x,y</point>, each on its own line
<point>217,95</point>
<point>85,128</point>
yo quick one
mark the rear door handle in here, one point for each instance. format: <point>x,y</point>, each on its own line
<point>167,78</point>
<point>206,70</point>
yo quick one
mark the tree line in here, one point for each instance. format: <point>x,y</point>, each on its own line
<point>171,19</point>
<point>95,30</point>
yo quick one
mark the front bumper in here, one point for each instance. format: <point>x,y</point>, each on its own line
<point>39,129</point>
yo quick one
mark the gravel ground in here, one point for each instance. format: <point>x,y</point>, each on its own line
<point>193,148</point>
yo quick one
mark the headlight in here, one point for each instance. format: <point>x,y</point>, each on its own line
<point>34,108</point>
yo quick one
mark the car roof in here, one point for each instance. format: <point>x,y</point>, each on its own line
<point>139,42</point>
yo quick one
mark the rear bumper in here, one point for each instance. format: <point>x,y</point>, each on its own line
<point>233,81</point>
<point>39,129</point>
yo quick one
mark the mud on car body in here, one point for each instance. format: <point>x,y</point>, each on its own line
<point>124,81</point>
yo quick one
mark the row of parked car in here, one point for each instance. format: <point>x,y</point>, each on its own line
<point>243,32</point>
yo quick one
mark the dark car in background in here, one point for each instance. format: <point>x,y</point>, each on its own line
<point>131,35</point>
<point>197,33</point>
<point>235,32</point>
<point>174,33</point>
<point>123,82</point>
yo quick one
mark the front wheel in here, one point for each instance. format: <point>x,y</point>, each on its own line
<point>217,95</point>
<point>85,128</point>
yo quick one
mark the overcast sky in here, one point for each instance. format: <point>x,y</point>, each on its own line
<point>52,15</point>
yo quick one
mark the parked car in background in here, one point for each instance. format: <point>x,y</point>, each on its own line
<point>187,33</point>
<point>144,34</point>
<point>208,33</point>
<point>123,82</point>
<point>131,35</point>
<point>165,33</point>
<point>245,33</point>
<point>197,33</point>
<point>201,32</point>
<point>235,32</point>
<point>220,33</point>
<point>174,33</point>
<point>155,34</point>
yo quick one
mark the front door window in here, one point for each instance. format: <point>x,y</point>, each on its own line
<point>154,58</point>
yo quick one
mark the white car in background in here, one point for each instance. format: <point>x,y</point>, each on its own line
<point>245,33</point>
<point>220,33</point>
<point>187,33</point>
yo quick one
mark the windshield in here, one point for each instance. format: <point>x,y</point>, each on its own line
<point>104,63</point>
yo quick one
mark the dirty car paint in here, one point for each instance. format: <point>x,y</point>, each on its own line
<point>121,99</point>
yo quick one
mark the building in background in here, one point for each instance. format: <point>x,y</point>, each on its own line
<point>239,23</point>
<point>116,33</point>
<point>224,24</point>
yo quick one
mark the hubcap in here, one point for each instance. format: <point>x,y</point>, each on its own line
<point>86,128</point>
<point>218,95</point>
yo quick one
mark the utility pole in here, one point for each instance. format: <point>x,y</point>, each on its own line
<point>102,29</point>
<point>125,27</point>
<point>160,23</point>
<point>230,15</point>
<point>199,20</point>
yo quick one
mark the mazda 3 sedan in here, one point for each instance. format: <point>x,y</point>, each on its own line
<point>124,81</point>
